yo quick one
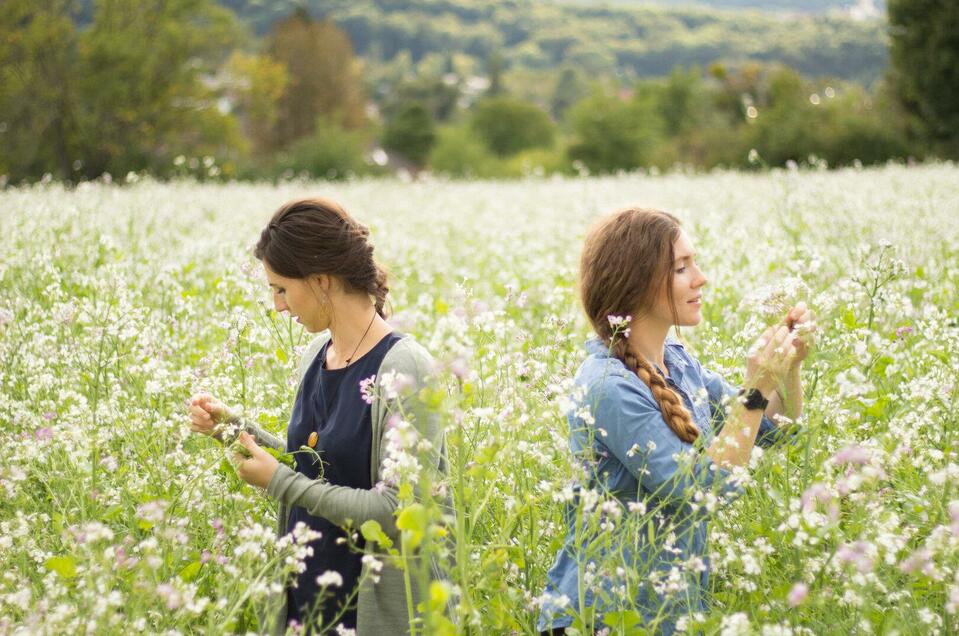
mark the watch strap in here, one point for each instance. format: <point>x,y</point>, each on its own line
<point>753,399</point>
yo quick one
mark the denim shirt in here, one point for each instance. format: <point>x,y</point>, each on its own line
<point>618,431</point>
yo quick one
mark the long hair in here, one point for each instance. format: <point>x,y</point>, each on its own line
<point>317,236</point>
<point>627,261</point>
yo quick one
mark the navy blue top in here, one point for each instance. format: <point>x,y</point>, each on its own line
<point>331,404</point>
<point>617,430</point>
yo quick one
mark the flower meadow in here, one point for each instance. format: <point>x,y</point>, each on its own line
<point>118,302</point>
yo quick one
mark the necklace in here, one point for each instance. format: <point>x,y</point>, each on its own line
<point>350,359</point>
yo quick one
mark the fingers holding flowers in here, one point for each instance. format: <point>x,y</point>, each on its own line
<point>206,413</point>
<point>771,358</point>
<point>253,465</point>
<point>801,321</point>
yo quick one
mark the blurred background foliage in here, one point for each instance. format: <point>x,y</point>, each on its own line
<point>253,89</point>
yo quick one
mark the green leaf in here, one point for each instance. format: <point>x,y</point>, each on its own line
<point>517,557</point>
<point>373,532</point>
<point>190,571</point>
<point>281,355</point>
<point>878,408</point>
<point>622,621</point>
<point>229,473</point>
<point>412,521</point>
<point>283,458</point>
<point>65,566</point>
<point>849,319</point>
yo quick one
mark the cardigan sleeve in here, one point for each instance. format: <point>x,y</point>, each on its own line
<point>344,505</point>
<point>262,437</point>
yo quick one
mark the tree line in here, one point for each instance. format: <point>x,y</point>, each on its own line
<point>626,40</point>
<point>180,87</point>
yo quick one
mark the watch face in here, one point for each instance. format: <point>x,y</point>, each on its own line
<point>754,400</point>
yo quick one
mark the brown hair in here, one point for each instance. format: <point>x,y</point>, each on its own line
<point>626,263</point>
<point>317,236</point>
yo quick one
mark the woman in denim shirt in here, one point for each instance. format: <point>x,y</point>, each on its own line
<point>652,430</point>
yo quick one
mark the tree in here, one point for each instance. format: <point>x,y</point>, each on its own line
<point>681,100</point>
<point>494,69</point>
<point>925,68</point>
<point>508,125</point>
<point>331,152</point>
<point>38,92</point>
<point>411,134</point>
<point>437,95</point>
<point>142,82</point>
<point>613,134</point>
<point>256,84</point>
<point>458,153</point>
<point>127,93</point>
<point>324,80</point>
<point>569,90</point>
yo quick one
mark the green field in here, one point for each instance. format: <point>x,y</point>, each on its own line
<point>119,302</point>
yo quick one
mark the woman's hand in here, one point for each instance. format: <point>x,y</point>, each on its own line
<point>259,467</point>
<point>801,321</point>
<point>206,412</point>
<point>770,359</point>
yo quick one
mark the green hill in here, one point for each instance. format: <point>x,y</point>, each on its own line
<point>626,39</point>
<point>801,6</point>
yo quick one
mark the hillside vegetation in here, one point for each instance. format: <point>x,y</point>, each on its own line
<point>625,40</point>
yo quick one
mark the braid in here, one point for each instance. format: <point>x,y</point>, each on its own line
<point>671,405</point>
<point>381,287</point>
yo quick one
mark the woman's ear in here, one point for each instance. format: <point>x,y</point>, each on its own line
<point>322,281</point>
<point>328,284</point>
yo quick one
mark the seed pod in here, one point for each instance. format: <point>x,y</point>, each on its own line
<point>311,442</point>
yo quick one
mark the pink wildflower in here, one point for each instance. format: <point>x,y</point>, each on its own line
<point>921,559</point>
<point>851,454</point>
<point>459,368</point>
<point>797,594</point>
<point>367,388</point>
<point>856,554</point>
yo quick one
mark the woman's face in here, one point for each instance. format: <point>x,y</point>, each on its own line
<point>302,297</point>
<point>687,286</point>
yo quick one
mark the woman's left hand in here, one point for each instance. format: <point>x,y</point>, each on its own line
<point>801,320</point>
<point>258,469</point>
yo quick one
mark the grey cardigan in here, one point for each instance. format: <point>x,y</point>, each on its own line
<point>381,607</point>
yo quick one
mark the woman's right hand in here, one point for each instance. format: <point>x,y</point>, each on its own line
<point>206,412</point>
<point>770,359</point>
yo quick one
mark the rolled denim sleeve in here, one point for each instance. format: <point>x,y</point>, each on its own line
<point>721,393</point>
<point>630,425</point>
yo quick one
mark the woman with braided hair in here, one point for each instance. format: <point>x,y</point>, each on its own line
<point>319,265</point>
<point>657,434</point>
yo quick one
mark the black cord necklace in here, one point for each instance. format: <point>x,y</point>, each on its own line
<point>363,337</point>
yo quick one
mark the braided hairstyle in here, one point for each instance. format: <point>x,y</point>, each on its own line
<point>317,236</point>
<point>625,265</point>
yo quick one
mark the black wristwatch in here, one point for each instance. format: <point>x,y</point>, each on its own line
<point>753,400</point>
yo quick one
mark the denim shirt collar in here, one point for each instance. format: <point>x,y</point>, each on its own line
<point>674,355</point>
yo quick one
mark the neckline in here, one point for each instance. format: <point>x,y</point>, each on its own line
<point>355,363</point>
